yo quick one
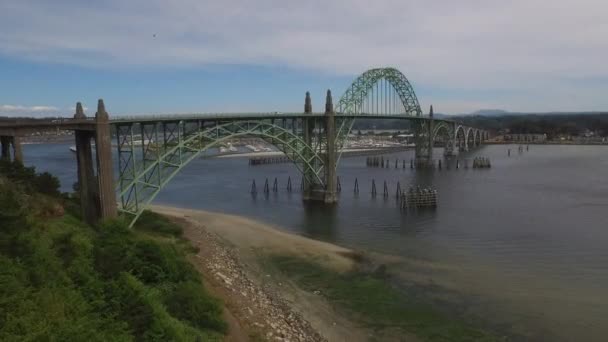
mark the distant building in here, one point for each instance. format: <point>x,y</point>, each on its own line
<point>525,137</point>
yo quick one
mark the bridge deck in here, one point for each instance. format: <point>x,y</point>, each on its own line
<point>11,126</point>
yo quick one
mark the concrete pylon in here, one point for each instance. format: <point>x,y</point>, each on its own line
<point>79,112</point>
<point>330,152</point>
<point>105,170</point>
<point>307,103</point>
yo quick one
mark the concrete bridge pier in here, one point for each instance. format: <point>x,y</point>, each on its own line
<point>97,196</point>
<point>318,192</point>
<point>105,169</point>
<point>17,149</point>
<point>330,152</point>
<point>6,143</point>
<point>14,142</point>
<point>424,142</point>
<point>308,127</point>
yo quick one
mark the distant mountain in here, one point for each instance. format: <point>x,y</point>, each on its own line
<point>500,112</point>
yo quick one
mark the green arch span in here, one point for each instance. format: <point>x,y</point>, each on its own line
<point>353,98</point>
<point>140,191</point>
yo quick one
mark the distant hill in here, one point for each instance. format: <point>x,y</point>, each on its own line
<point>490,112</point>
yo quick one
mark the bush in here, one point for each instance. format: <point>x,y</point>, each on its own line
<point>152,222</point>
<point>45,183</point>
<point>189,302</point>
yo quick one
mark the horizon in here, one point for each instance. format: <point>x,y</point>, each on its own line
<point>191,56</point>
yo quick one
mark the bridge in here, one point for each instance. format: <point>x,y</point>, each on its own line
<point>151,150</point>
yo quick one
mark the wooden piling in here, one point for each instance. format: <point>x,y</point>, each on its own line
<point>356,189</point>
<point>266,188</point>
<point>373,188</point>
<point>254,190</point>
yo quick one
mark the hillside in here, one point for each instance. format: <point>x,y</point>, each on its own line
<point>60,278</point>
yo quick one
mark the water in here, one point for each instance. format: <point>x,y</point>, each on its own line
<point>523,245</point>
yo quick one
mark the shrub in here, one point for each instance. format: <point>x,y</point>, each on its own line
<point>152,222</point>
<point>190,302</point>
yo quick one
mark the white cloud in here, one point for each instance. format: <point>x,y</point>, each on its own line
<point>36,111</point>
<point>536,47</point>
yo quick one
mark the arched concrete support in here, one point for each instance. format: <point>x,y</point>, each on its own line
<point>469,138</point>
<point>460,139</point>
<point>448,137</point>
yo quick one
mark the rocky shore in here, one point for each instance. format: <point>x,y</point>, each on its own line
<point>255,311</point>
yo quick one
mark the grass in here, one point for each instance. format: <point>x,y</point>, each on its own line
<point>370,298</point>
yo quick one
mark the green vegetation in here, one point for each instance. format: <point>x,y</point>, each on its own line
<point>62,280</point>
<point>371,299</point>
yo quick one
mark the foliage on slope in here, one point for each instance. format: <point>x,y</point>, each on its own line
<point>61,279</point>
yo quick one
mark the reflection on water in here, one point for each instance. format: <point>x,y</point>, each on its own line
<point>529,234</point>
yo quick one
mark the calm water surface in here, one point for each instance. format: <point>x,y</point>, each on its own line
<point>521,246</point>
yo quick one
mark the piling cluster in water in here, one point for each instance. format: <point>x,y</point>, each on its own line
<point>481,163</point>
<point>290,187</point>
<point>268,160</point>
<point>384,163</point>
<point>418,198</point>
<point>381,162</point>
<point>520,149</point>
<point>413,197</point>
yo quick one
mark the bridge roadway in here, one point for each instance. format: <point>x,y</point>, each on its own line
<point>24,126</point>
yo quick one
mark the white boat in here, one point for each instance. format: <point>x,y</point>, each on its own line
<point>73,148</point>
<point>252,148</point>
<point>232,148</point>
<point>223,149</point>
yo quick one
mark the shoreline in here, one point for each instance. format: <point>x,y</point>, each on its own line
<point>261,303</point>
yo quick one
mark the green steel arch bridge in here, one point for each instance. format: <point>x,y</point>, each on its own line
<point>151,150</point>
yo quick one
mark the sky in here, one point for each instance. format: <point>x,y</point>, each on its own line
<point>184,56</point>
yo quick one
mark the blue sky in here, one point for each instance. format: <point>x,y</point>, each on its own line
<point>158,56</point>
